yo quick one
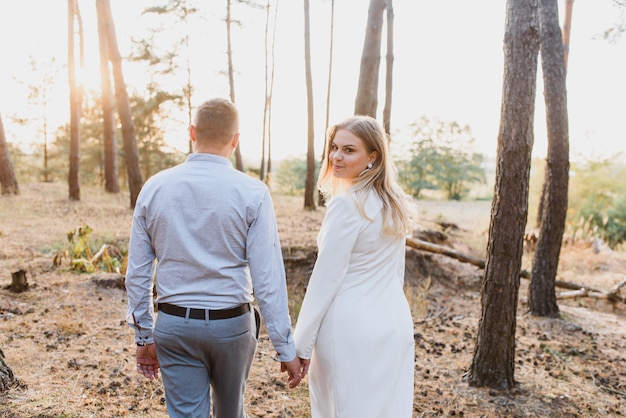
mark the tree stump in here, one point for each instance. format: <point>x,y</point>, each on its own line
<point>7,378</point>
<point>19,283</point>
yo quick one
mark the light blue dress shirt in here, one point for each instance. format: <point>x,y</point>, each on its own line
<point>208,232</point>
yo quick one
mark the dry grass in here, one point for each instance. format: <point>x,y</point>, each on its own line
<point>66,340</point>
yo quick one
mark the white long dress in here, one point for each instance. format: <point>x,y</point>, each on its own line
<point>355,323</point>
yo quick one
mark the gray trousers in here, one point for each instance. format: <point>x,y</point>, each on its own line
<point>198,356</point>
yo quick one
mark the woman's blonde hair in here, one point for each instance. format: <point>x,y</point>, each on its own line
<point>382,177</point>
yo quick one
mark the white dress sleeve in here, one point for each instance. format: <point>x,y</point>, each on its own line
<point>338,234</point>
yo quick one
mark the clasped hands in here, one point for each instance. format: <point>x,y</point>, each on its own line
<point>148,365</point>
<point>296,370</point>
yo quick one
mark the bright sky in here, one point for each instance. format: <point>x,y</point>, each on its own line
<point>448,65</point>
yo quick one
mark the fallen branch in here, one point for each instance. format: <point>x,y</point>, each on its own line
<point>579,290</point>
<point>418,244</point>
<point>611,390</point>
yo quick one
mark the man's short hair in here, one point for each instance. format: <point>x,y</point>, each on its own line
<point>216,119</point>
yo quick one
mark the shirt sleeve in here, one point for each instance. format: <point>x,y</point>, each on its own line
<point>267,272</point>
<point>338,235</point>
<point>139,279</point>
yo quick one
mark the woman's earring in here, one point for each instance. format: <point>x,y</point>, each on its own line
<point>368,168</point>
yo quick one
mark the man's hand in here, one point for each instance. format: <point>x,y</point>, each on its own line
<point>147,363</point>
<point>296,370</point>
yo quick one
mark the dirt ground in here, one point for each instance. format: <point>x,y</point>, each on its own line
<point>66,340</point>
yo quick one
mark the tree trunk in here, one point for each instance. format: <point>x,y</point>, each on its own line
<point>75,103</point>
<point>7,378</point>
<point>267,94</point>
<point>111,174</point>
<point>493,360</point>
<point>367,93</point>
<point>321,201</point>
<point>309,184</point>
<point>389,69</point>
<point>131,154</point>
<point>8,181</point>
<point>231,80</point>
<point>542,296</point>
<point>269,101</point>
<point>567,29</point>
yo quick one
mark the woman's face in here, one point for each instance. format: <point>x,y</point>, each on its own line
<point>348,155</point>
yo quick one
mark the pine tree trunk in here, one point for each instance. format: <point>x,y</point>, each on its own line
<point>309,183</point>
<point>7,378</point>
<point>494,354</point>
<point>231,79</point>
<point>131,154</point>
<point>75,104</point>
<point>366,101</point>
<point>111,173</point>
<point>542,295</point>
<point>389,70</point>
<point>8,181</point>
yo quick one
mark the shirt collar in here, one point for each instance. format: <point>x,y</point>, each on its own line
<point>208,158</point>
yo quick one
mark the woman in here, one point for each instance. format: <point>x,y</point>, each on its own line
<point>355,324</point>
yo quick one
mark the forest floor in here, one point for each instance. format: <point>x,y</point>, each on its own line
<point>66,340</point>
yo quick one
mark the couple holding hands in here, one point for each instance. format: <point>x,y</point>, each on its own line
<point>213,231</point>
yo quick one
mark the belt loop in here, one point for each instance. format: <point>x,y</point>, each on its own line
<point>187,311</point>
<point>206,316</point>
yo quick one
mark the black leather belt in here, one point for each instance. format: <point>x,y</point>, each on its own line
<point>201,313</point>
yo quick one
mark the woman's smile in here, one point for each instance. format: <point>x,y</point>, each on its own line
<point>348,155</point>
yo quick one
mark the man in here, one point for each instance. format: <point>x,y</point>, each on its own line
<point>208,233</point>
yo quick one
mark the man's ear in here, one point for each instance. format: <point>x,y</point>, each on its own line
<point>192,132</point>
<point>235,140</point>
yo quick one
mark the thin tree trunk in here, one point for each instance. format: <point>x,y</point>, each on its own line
<point>494,354</point>
<point>309,184</point>
<point>111,173</point>
<point>8,181</point>
<point>231,80</point>
<point>542,296</point>
<point>135,179</point>
<point>366,101</point>
<point>75,103</point>
<point>265,104</point>
<point>269,100</point>
<point>320,196</point>
<point>188,91</point>
<point>389,69</point>
<point>46,171</point>
<point>567,29</point>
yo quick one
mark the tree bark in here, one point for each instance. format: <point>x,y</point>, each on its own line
<point>366,101</point>
<point>131,154</point>
<point>19,282</point>
<point>75,104</point>
<point>321,201</point>
<point>493,359</point>
<point>567,29</point>
<point>7,378</point>
<point>389,70</point>
<point>8,181</point>
<point>309,183</point>
<point>111,173</point>
<point>542,296</point>
<point>231,79</point>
